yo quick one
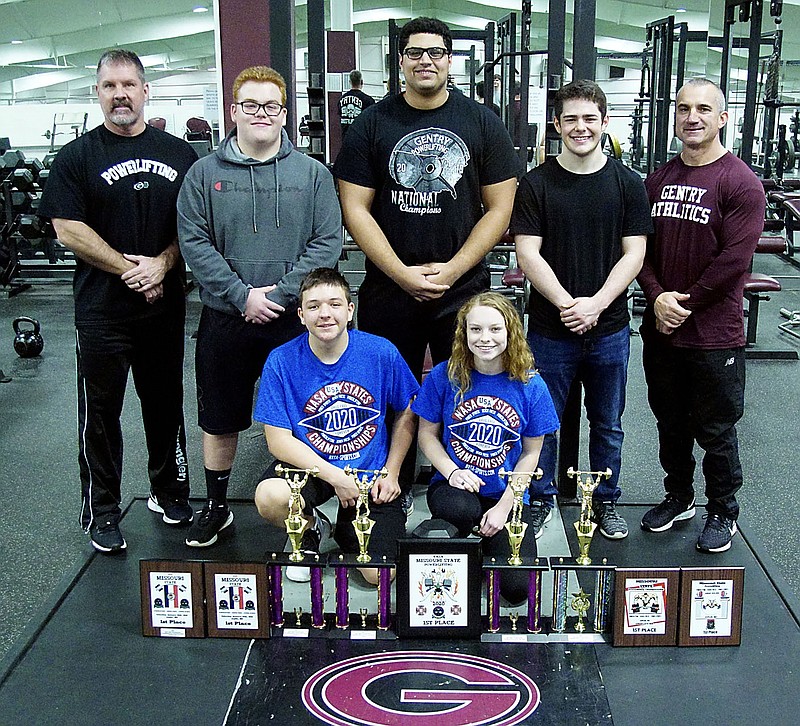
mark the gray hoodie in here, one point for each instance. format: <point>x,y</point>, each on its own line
<point>245,223</point>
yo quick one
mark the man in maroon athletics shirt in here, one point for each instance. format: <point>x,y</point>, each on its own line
<point>708,213</point>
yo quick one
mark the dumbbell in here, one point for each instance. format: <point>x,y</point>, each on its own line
<point>34,166</point>
<point>13,159</point>
<point>30,226</point>
<point>21,200</point>
<point>23,180</point>
<point>7,167</point>
<point>48,160</point>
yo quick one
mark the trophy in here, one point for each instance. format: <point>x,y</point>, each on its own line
<point>296,523</point>
<point>519,481</point>
<point>585,527</point>
<point>362,524</point>
<point>580,604</point>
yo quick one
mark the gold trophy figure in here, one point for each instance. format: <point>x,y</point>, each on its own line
<point>585,527</point>
<point>580,604</point>
<point>362,524</point>
<point>519,481</point>
<point>295,522</point>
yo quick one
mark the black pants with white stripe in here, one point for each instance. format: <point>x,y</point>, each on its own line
<point>152,349</point>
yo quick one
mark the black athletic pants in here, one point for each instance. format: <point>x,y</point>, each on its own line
<point>697,395</point>
<point>152,349</point>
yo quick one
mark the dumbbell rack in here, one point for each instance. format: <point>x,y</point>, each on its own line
<point>30,251</point>
<point>9,264</point>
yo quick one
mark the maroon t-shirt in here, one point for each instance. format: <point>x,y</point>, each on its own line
<point>707,223</point>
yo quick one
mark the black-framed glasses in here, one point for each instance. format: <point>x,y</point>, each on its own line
<point>434,53</point>
<point>251,108</point>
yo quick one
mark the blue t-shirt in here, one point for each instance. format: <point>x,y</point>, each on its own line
<point>484,433</point>
<point>339,410</point>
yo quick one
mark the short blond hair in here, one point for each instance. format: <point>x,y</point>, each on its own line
<point>260,74</point>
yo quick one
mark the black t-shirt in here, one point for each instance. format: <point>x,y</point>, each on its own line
<point>581,219</point>
<point>125,189</point>
<point>427,169</point>
<point>351,104</point>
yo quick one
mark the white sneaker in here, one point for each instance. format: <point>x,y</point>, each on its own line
<point>313,537</point>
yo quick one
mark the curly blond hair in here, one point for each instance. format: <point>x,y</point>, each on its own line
<point>517,357</point>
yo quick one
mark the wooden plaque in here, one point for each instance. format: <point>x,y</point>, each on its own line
<point>711,606</point>
<point>439,588</point>
<point>237,605</point>
<point>172,599</point>
<point>646,606</point>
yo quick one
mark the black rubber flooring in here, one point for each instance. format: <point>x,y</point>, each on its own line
<point>85,660</point>
<point>42,547</point>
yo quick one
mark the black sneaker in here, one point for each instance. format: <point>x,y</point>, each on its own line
<point>541,514</point>
<point>407,503</point>
<point>672,509</point>
<point>611,524</point>
<point>313,537</point>
<point>212,520</point>
<point>105,535</point>
<point>717,534</point>
<point>174,511</point>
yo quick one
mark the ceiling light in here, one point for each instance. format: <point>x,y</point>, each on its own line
<point>16,42</point>
<point>199,9</point>
<point>680,10</point>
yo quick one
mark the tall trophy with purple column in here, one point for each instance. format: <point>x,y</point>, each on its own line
<point>296,523</point>
<point>365,479</point>
<point>519,481</point>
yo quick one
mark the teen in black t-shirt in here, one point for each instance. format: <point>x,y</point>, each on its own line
<point>580,224</point>
<point>426,180</point>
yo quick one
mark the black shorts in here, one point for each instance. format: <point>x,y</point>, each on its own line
<point>229,358</point>
<point>390,521</point>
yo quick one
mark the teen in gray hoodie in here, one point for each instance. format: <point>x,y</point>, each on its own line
<point>253,219</point>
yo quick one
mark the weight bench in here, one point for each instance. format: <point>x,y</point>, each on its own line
<point>792,323</point>
<point>514,280</point>
<point>757,287</point>
<point>791,215</point>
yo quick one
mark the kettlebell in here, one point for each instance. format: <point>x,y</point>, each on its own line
<point>27,342</point>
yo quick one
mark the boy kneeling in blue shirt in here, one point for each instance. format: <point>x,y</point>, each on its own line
<point>324,399</point>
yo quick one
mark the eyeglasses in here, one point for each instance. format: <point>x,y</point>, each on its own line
<point>251,108</point>
<point>433,53</point>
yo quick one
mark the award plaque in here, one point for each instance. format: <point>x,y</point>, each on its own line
<point>439,588</point>
<point>711,606</point>
<point>646,606</point>
<point>172,599</point>
<point>236,600</point>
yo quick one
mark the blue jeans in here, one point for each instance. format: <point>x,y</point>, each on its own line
<point>601,364</point>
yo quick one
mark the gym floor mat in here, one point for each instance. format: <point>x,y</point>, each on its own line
<point>85,660</point>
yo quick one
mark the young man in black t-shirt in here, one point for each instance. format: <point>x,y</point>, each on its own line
<point>353,102</point>
<point>580,224</point>
<point>111,195</point>
<point>426,181</point>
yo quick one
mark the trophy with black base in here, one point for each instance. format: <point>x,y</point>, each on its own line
<point>518,482</point>
<point>581,601</point>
